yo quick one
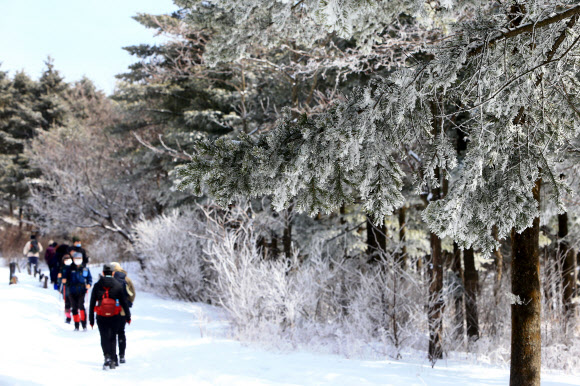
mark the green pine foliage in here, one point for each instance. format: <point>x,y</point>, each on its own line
<point>27,108</point>
<point>521,109</point>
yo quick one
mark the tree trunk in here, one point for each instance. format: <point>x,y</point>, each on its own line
<point>498,257</point>
<point>287,236</point>
<point>526,342</point>
<point>568,266</point>
<point>456,266</point>
<point>471,289</point>
<point>261,247</point>
<point>436,304</point>
<point>435,300</point>
<point>550,258</point>
<point>274,246</point>
<point>376,240</point>
<point>287,241</point>
<point>402,256</point>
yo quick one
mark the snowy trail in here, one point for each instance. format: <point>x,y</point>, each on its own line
<point>166,346</point>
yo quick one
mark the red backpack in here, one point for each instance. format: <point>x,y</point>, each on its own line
<point>107,306</point>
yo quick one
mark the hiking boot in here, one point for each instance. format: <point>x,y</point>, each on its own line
<point>77,326</point>
<point>107,363</point>
<point>122,358</point>
<point>116,362</point>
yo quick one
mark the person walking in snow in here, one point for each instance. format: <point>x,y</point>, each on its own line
<point>32,251</point>
<point>107,300</point>
<point>78,280</point>
<point>121,276</point>
<point>52,261</point>
<point>77,247</point>
<point>64,267</point>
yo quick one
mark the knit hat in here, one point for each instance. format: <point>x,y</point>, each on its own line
<point>107,269</point>
<point>75,238</point>
<point>77,254</point>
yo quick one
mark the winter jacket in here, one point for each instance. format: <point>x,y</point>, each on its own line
<point>121,275</point>
<point>77,277</point>
<point>116,291</point>
<point>26,251</point>
<point>50,256</point>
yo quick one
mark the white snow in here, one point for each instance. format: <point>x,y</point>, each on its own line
<point>178,343</point>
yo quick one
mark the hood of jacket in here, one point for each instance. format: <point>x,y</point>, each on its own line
<point>117,267</point>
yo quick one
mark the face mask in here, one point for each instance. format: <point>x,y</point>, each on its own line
<point>78,244</point>
<point>68,262</point>
<point>78,261</point>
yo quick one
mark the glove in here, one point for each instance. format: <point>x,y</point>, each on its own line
<point>92,326</point>
<point>128,321</point>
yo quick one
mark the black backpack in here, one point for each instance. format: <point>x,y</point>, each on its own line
<point>120,277</point>
<point>34,246</point>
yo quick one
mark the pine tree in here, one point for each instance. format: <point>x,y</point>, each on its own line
<point>19,122</point>
<point>50,97</point>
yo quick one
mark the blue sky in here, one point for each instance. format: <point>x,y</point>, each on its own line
<point>84,37</point>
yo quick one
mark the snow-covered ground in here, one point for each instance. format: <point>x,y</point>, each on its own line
<point>173,342</point>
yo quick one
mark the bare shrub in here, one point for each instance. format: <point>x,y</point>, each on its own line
<point>106,248</point>
<point>333,303</point>
<point>323,301</point>
<point>172,254</point>
<point>560,338</point>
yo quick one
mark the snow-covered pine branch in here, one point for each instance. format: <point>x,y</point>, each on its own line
<point>352,150</point>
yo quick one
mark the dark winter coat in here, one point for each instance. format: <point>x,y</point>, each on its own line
<point>50,256</point>
<point>116,291</point>
<point>60,251</point>
<point>77,278</point>
<point>127,284</point>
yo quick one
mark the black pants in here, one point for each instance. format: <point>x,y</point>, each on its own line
<point>121,336</point>
<point>65,291</point>
<point>108,327</point>
<point>53,269</point>
<point>77,302</point>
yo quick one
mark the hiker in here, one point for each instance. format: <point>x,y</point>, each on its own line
<point>111,299</point>
<point>77,247</point>
<point>32,251</point>
<point>52,261</point>
<point>61,251</point>
<point>78,280</point>
<point>121,276</point>
<point>66,263</point>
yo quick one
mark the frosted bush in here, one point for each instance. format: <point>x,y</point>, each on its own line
<point>106,249</point>
<point>172,254</point>
<point>387,305</point>
<point>338,304</point>
<point>328,302</point>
